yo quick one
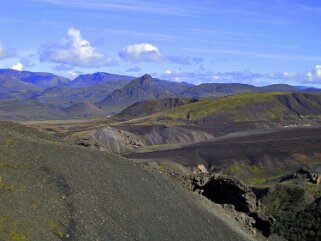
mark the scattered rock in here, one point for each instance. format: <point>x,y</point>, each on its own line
<point>116,140</point>
<point>201,169</point>
<point>87,142</point>
<point>302,174</point>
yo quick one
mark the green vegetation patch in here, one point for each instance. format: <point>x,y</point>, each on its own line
<point>4,164</point>
<point>13,236</point>
<point>314,189</point>
<point>257,181</point>
<point>9,187</point>
<point>5,186</point>
<point>56,228</point>
<point>162,167</point>
<point>232,169</point>
<point>232,107</point>
<point>10,230</point>
<point>255,170</point>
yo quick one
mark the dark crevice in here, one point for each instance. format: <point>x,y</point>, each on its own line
<point>262,224</point>
<point>226,190</point>
<point>226,193</point>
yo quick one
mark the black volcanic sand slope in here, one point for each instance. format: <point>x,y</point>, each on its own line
<point>50,190</point>
<point>250,156</point>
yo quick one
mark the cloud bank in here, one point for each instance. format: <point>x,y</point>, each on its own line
<point>245,77</point>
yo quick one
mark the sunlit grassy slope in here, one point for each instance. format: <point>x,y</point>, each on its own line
<point>250,106</point>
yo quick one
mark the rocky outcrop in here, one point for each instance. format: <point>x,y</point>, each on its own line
<point>116,140</point>
<point>303,173</point>
<point>227,190</point>
<point>313,177</point>
<point>87,142</point>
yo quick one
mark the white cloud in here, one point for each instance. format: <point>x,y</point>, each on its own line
<point>17,66</point>
<point>178,75</point>
<point>146,52</point>
<point>309,76</point>
<point>143,52</point>
<point>73,73</point>
<point>289,74</point>
<point>318,71</point>
<point>313,76</point>
<point>74,51</point>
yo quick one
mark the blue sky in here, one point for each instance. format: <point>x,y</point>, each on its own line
<point>247,41</point>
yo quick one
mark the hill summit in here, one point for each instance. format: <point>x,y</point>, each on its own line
<point>143,88</point>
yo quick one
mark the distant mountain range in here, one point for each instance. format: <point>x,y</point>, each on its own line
<point>148,88</point>
<point>89,87</point>
<point>87,80</point>
<point>112,93</point>
<point>53,89</point>
<point>24,84</point>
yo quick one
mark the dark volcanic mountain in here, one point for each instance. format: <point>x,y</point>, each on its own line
<point>280,88</point>
<point>147,88</point>
<point>12,88</point>
<point>217,89</point>
<point>57,90</point>
<point>113,93</point>
<point>143,88</point>
<point>40,80</point>
<point>89,87</point>
<point>23,84</point>
<point>86,80</point>
<point>222,89</point>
